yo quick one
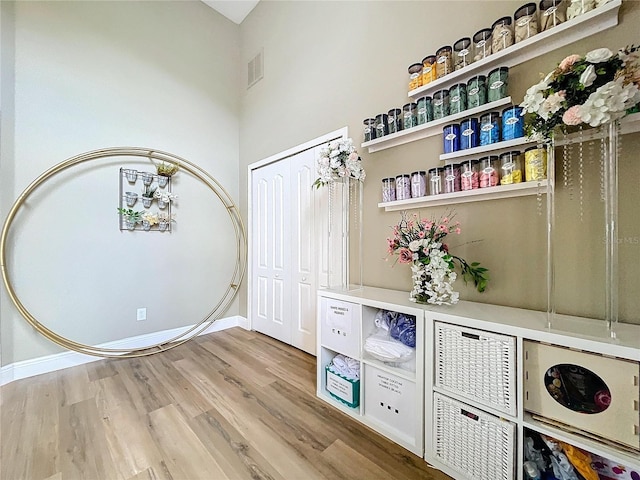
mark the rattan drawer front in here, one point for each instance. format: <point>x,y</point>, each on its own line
<point>474,443</point>
<point>476,365</point>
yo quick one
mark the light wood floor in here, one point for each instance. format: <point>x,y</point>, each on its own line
<point>228,405</point>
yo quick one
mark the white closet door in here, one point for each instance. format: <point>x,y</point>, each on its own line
<point>271,244</point>
<point>305,251</point>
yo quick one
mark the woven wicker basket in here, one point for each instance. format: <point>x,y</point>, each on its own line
<point>476,444</point>
<point>476,365</point>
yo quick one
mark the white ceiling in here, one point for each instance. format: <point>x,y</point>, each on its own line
<point>234,10</point>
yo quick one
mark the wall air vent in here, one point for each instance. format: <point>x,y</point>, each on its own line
<point>255,69</point>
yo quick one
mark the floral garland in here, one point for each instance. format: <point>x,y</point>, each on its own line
<point>420,242</point>
<point>337,160</point>
<point>595,89</point>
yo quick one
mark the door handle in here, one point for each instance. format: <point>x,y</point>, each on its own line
<point>304,279</point>
<point>277,275</point>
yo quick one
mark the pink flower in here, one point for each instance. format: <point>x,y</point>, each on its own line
<point>421,234</point>
<point>443,228</point>
<point>572,116</point>
<point>405,255</point>
<point>445,220</point>
<point>458,230</point>
<point>568,62</point>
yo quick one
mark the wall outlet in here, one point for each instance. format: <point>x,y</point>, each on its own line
<point>141,314</point>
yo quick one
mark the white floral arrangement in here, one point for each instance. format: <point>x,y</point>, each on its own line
<point>337,160</point>
<point>152,218</point>
<point>595,89</point>
<point>165,197</point>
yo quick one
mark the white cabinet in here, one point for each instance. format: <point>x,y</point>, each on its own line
<point>476,390</point>
<point>390,398</point>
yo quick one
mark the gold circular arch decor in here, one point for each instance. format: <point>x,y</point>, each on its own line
<point>151,154</point>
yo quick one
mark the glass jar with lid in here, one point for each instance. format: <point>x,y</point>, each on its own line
<point>469,133</point>
<point>451,138</point>
<point>415,76</point>
<point>418,184</point>
<point>425,110</point>
<point>435,181</point>
<point>501,34</point>
<point>535,163</point>
<point>462,53</point>
<point>444,61</point>
<point>482,44</point>
<point>552,13</point>
<point>497,83</point>
<point>409,116</point>
<point>526,22</point>
<point>451,178</point>
<point>476,91</point>
<point>457,98</point>
<point>403,187</point>
<point>511,168</point>
<point>369,129</point>
<point>382,128</point>
<point>440,104</point>
<point>489,128</point>
<point>428,69</point>
<point>389,189</point>
<point>580,7</point>
<point>469,175</point>
<point>394,120</point>
<point>512,123</point>
<point>489,171</point>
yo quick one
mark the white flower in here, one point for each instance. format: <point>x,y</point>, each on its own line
<point>338,159</point>
<point>588,76</point>
<point>415,245</point>
<point>598,55</point>
<point>551,105</point>
<point>609,102</point>
<point>534,97</point>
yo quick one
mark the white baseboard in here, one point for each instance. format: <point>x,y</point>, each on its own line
<point>58,361</point>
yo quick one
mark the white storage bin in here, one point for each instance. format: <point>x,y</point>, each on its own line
<point>340,329</point>
<point>476,365</point>
<point>474,443</point>
<point>391,401</point>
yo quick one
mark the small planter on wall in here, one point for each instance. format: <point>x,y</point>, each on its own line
<point>147,178</point>
<point>131,198</point>
<point>131,175</point>
<point>146,201</point>
<point>162,181</point>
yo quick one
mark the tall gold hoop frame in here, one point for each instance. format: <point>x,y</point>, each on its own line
<point>227,297</point>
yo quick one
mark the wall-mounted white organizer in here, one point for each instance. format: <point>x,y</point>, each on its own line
<point>139,208</point>
<point>582,26</point>
<point>477,384</point>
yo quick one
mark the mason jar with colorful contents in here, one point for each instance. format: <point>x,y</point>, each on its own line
<point>435,181</point>
<point>457,98</point>
<point>440,104</point>
<point>409,118</point>
<point>415,76</point>
<point>501,34</point>
<point>382,127</point>
<point>535,164</point>
<point>425,110</point>
<point>403,187</point>
<point>451,138</point>
<point>451,178</point>
<point>552,14</point>
<point>476,91</point>
<point>526,22</point>
<point>394,120</point>
<point>489,174</point>
<point>389,189</point>
<point>469,175</point>
<point>497,84</point>
<point>481,44</point>
<point>369,129</point>
<point>428,69</point>
<point>489,128</point>
<point>511,168</point>
<point>512,123</point>
<point>444,63</point>
<point>462,53</point>
<point>418,184</point>
<point>469,133</point>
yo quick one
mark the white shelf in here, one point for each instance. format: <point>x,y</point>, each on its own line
<point>398,372</point>
<point>429,129</point>
<point>489,193</point>
<point>583,26</point>
<point>593,446</point>
<point>493,149</point>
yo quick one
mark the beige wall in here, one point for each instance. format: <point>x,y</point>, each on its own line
<point>80,76</point>
<point>331,64</point>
